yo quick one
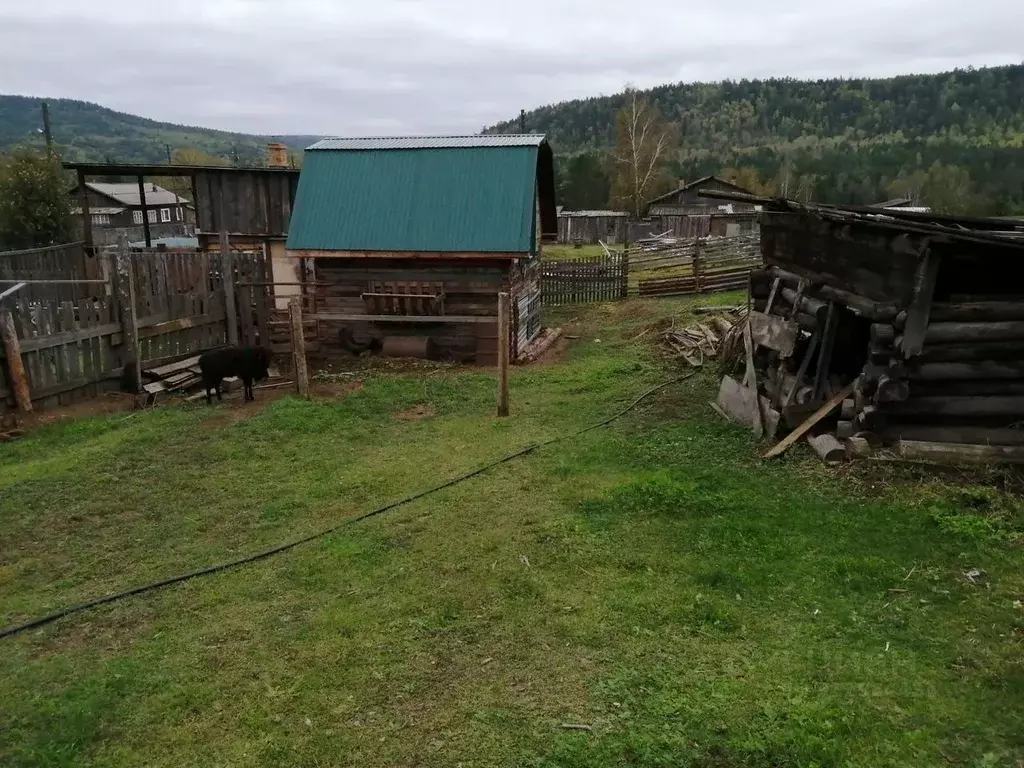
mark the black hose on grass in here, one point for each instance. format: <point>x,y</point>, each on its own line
<point>52,617</point>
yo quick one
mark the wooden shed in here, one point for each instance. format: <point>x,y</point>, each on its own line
<point>592,227</point>
<point>920,316</point>
<point>413,238</point>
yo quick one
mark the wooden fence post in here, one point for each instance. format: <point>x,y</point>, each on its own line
<point>227,269</point>
<point>697,249</point>
<point>15,365</point>
<point>298,346</point>
<point>129,318</point>
<point>503,349</point>
<point>624,266</point>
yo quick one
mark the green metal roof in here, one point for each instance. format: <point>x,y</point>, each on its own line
<point>437,195</point>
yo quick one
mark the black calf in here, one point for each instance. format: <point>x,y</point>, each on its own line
<point>247,363</point>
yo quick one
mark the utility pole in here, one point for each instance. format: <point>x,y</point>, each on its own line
<point>168,148</point>
<point>522,121</point>
<point>46,127</point>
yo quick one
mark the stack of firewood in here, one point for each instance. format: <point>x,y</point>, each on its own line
<point>704,339</point>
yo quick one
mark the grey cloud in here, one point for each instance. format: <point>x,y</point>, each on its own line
<point>396,66</point>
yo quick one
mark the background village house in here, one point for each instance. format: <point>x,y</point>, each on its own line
<point>413,238</point>
<point>115,209</point>
<point>684,213</point>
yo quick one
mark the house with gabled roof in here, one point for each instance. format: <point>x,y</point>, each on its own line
<point>415,237</point>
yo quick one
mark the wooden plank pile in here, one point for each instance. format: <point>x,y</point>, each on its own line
<point>703,339</point>
<point>172,377</point>
<point>772,396</point>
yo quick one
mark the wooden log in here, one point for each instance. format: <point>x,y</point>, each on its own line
<point>981,369</point>
<point>504,342</point>
<point>828,338</point>
<point>845,429</point>
<point>980,350</point>
<point>858,447</point>
<point>977,312</point>
<point>938,333</point>
<point>750,379</point>
<point>829,450</point>
<point>15,364</point>
<point>419,347</point>
<point>953,405</point>
<point>883,334</point>
<point>817,416</point>
<point>952,434</point>
<point>919,312</point>
<point>970,387</point>
<point>298,347</point>
<point>891,389</point>
<point>880,311</point>
<point>872,437</point>
<point>848,409</point>
<point>722,325</point>
<point>955,453</point>
<point>806,303</point>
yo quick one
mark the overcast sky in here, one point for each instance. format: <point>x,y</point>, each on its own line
<point>359,67</point>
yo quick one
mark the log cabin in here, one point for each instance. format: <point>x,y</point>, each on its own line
<point>412,239</point>
<point>922,313</point>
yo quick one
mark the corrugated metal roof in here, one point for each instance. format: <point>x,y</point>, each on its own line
<point>594,214</point>
<point>93,210</point>
<point>128,193</point>
<point>477,198</point>
<point>432,142</point>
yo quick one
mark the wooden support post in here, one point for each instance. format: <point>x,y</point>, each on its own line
<point>83,197</point>
<point>227,269</point>
<point>503,349</point>
<point>145,212</point>
<point>15,365</point>
<point>825,354</point>
<point>132,356</point>
<point>920,306</point>
<point>298,347</point>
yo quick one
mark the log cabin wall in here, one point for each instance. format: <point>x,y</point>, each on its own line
<point>877,263</point>
<point>927,322</point>
<point>967,383</point>
<point>466,290</point>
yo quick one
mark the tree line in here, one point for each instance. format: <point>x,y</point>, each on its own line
<point>954,141</point>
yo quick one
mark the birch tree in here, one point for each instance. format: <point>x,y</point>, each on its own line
<point>644,141</point>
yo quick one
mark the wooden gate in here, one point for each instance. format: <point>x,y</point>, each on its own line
<point>593,278</point>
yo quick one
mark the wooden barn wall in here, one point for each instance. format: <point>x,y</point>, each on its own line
<point>874,262</point>
<point>588,230</point>
<point>470,288</point>
<point>255,202</point>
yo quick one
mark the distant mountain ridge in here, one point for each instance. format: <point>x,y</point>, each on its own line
<point>842,140</point>
<point>89,132</point>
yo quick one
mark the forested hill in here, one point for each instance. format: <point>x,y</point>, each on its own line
<point>842,140</point>
<point>88,132</point>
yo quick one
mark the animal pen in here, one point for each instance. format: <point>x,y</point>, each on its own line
<point>75,321</point>
<point>901,329</point>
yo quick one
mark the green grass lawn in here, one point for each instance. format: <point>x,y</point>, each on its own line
<point>653,580</point>
<point>554,252</point>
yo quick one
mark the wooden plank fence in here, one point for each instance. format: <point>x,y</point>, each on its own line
<point>75,348</point>
<point>593,278</point>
